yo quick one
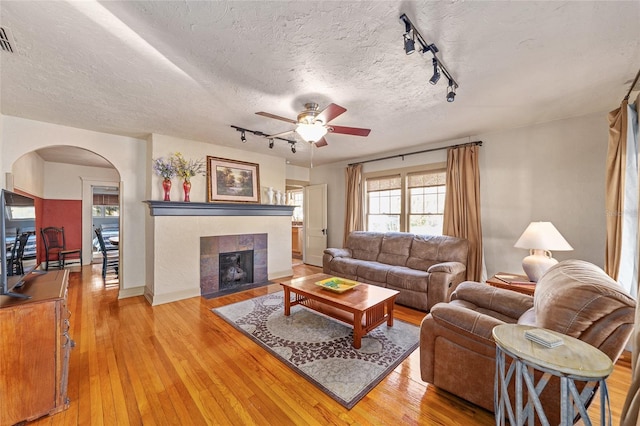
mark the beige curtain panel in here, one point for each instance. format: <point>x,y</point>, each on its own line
<point>614,188</point>
<point>462,204</point>
<point>355,193</point>
<point>630,415</point>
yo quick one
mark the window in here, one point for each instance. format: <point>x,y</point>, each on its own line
<point>411,201</point>
<point>106,205</point>
<point>384,203</point>
<point>21,212</point>
<point>426,202</point>
<point>296,199</point>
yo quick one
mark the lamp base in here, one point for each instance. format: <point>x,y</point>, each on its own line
<point>537,263</point>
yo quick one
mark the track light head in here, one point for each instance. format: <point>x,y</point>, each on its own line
<point>451,92</point>
<point>243,138</point>
<point>436,72</point>
<point>270,143</point>
<point>409,44</point>
<point>293,148</point>
<point>407,23</point>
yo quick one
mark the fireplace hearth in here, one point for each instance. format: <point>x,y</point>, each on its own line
<point>232,263</point>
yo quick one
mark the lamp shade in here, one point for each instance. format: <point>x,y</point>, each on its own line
<point>311,132</point>
<point>540,238</point>
<point>543,236</point>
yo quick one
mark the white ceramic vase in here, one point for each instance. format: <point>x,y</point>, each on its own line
<point>270,195</point>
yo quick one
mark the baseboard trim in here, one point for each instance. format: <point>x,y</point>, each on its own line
<point>125,293</point>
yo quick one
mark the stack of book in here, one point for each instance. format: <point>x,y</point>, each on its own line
<point>544,338</point>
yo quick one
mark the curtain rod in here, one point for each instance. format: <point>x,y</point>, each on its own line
<point>417,152</point>
<point>626,98</point>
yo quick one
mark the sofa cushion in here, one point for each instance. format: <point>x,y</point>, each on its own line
<point>365,245</point>
<point>373,271</point>
<point>345,266</point>
<point>427,250</point>
<point>407,278</point>
<point>395,248</point>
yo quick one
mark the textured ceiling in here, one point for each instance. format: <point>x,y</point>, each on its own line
<point>193,68</point>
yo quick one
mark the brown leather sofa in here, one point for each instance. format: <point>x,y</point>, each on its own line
<point>576,298</point>
<point>425,269</point>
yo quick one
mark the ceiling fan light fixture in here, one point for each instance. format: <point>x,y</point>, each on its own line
<point>311,132</point>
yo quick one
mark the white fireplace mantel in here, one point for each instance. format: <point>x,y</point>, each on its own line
<point>178,208</point>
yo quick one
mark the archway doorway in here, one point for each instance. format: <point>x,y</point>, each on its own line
<point>63,178</point>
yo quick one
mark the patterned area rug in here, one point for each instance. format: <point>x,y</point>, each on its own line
<point>320,348</point>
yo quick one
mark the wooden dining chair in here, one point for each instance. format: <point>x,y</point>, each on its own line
<point>12,255</point>
<point>55,247</point>
<point>110,258</point>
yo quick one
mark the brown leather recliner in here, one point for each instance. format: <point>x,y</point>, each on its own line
<point>457,351</point>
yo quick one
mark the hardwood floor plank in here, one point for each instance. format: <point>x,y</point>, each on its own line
<point>180,363</point>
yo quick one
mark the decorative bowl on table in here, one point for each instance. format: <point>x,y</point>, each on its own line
<point>339,285</point>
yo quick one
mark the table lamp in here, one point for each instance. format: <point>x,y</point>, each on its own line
<point>540,238</point>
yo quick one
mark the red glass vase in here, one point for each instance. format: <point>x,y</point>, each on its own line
<point>166,185</point>
<point>186,185</point>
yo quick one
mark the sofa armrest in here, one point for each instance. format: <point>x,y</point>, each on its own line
<point>338,252</point>
<point>447,267</point>
<point>484,296</point>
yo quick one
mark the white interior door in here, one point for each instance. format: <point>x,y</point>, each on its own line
<point>315,223</point>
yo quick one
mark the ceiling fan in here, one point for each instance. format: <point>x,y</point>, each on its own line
<point>312,124</point>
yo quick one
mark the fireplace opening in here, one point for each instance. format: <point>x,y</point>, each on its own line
<point>236,268</point>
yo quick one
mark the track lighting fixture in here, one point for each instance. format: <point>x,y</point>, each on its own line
<point>272,139</point>
<point>410,35</point>
<point>451,91</point>
<point>409,45</point>
<point>436,72</point>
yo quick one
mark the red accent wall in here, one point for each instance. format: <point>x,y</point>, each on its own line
<point>59,213</point>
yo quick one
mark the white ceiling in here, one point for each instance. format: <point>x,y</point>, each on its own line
<point>193,68</point>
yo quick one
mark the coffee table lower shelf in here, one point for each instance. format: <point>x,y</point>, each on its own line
<point>364,307</point>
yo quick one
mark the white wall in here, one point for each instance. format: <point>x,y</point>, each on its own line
<point>550,172</point>
<point>553,171</point>
<point>64,181</point>
<point>21,136</point>
<point>272,169</point>
<point>297,173</point>
<point>173,242</point>
<point>32,181</point>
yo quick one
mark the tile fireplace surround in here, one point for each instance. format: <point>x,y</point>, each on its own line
<point>210,249</point>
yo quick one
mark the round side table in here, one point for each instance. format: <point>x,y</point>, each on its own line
<point>572,361</point>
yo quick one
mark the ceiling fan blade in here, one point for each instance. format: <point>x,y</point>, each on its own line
<point>330,112</point>
<point>322,142</point>
<point>356,131</point>
<point>277,135</point>
<point>277,117</point>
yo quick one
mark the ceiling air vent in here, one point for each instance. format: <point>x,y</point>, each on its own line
<point>7,44</point>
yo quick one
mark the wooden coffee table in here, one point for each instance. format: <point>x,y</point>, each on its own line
<point>364,307</point>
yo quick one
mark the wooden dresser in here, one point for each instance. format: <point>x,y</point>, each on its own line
<point>34,349</point>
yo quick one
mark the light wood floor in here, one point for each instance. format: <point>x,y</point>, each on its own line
<point>180,364</point>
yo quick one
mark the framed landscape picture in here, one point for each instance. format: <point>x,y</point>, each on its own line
<point>232,180</point>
